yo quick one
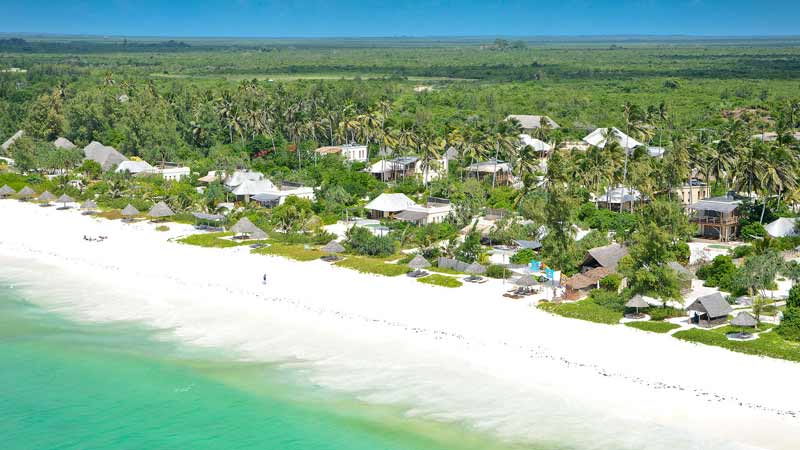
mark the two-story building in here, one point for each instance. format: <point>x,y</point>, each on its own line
<point>716,217</point>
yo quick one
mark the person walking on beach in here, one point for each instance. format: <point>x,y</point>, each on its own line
<point>265,279</point>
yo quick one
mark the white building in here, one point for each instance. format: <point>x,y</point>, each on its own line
<point>174,173</point>
<point>387,205</point>
<point>350,152</point>
<point>782,227</point>
<point>278,196</point>
<point>435,211</point>
<point>134,167</point>
<point>538,145</point>
<point>408,167</point>
<point>602,136</point>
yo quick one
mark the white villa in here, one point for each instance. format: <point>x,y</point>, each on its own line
<point>538,145</point>
<point>278,196</point>
<point>407,167</point>
<point>350,152</point>
<point>602,136</point>
<point>400,207</point>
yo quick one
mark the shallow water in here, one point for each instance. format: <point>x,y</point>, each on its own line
<point>65,384</point>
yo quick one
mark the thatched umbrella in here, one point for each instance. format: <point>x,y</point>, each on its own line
<point>6,190</point>
<point>333,247</point>
<point>637,301</point>
<point>129,211</point>
<point>89,207</point>
<point>64,199</point>
<point>160,210</point>
<point>26,193</point>
<point>245,227</point>
<point>744,320</point>
<point>418,263</point>
<point>525,282</point>
<point>46,197</point>
<point>474,270</point>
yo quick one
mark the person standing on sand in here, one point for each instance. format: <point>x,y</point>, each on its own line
<point>265,279</point>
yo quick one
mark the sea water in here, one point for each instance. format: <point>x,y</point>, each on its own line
<point>66,384</point>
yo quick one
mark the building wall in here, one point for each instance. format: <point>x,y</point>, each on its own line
<point>688,195</point>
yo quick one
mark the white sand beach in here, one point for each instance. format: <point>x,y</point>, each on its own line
<point>466,354</point>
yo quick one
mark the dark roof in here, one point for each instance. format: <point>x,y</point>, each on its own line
<point>716,204</point>
<point>608,256</point>
<point>714,305</point>
<point>533,245</point>
<point>588,278</point>
<point>265,198</point>
<point>411,216</point>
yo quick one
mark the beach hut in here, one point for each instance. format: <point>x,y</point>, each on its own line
<point>710,310</point>
<point>245,229</point>
<point>637,301</point>
<point>64,199</point>
<point>6,191</point>
<point>418,263</point>
<point>89,207</point>
<point>607,256</point>
<point>26,193</point>
<point>204,221</point>
<point>160,210</point>
<point>129,212</point>
<point>46,198</point>
<point>331,249</point>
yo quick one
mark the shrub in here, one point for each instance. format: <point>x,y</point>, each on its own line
<point>495,271</point>
<point>659,314</point>
<point>720,273</point>
<point>611,282</point>
<point>373,266</point>
<point>752,230</point>
<point>742,251</point>
<point>794,297</point>
<point>790,325</point>
<point>524,256</point>
<point>470,250</point>
<point>361,241</point>
<point>162,228</point>
<point>609,300</point>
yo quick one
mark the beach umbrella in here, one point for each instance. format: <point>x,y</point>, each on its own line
<point>46,197</point>
<point>744,320</point>
<point>26,192</point>
<point>474,270</point>
<point>246,227</point>
<point>525,281</point>
<point>160,210</point>
<point>6,191</point>
<point>333,247</point>
<point>130,211</point>
<point>637,301</point>
<point>64,199</point>
<point>419,262</point>
<point>89,205</point>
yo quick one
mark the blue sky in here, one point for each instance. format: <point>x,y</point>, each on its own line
<point>323,18</point>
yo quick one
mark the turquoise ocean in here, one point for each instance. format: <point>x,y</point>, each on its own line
<point>66,384</point>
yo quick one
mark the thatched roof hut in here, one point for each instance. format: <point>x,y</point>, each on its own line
<point>419,262</point>
<point>710,310</point>
<point>26,192</point>
<point>46,197</point>
<point>160,210</point>
<point>246,227</point>
<point>6,190</point>
<point>607,256</point>
<point>130,211</point>
<point>744,319</point>
<point>333,247</point>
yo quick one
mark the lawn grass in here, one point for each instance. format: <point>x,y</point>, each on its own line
<point>584,310</point>
<point>768,344</point>
<point>445,270</point>
<point>655,327</point>
<point>441,280</point>
<point>110,214</point>
<point>298,252</point>
<point>212,240</point>
<point>373,265</point>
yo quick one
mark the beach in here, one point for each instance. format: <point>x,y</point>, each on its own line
<point>465,355</point>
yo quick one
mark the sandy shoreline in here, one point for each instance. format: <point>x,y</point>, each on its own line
<point>462,354</point>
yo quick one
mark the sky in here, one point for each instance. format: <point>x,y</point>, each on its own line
<point>360,18</point>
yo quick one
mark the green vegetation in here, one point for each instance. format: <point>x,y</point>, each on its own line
<point>601,307</point>
<point>443,270</point>
<point>654,327</point>
<point>298,252</point>
<point>213,240</point>
<point>162,228</point>
<point>441,280</point>
<point>768,344</point>
<point>373,266</point>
